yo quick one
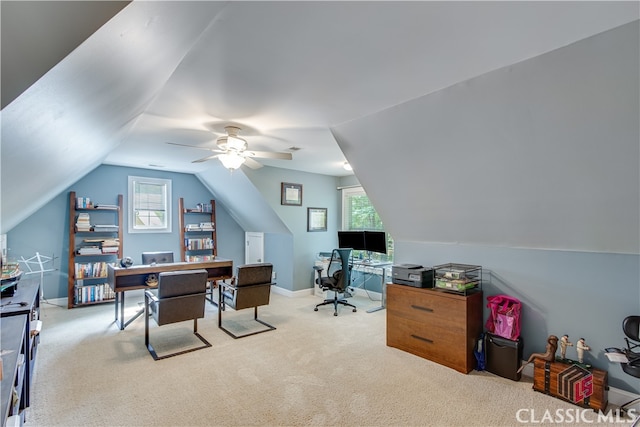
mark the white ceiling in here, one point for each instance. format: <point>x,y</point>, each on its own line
<point>285,72</point>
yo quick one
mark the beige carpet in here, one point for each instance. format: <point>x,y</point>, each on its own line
<point>315,369</point>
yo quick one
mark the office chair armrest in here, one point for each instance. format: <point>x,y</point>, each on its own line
<point>148,295</point>
<point>228,286</point>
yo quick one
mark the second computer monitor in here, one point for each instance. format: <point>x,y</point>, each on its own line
<point>160,257</point>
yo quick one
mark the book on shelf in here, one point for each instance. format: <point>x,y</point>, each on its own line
<point>83,202</point>
<point>105,206</point>
<point>104,228</point>
<point>192,227</point>
<point>91,270</point>
<point>198,244</point>
<point>199,258</point>
<point>206,226</point>
<point>93,293</point>
<point>111,242</point>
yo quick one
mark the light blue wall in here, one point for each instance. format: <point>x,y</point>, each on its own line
<point>582,294</point>
<point>318,191</point>
<point>47,231</point>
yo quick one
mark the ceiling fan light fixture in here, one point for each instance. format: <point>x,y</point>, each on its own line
<point>347,166</point>
<point>231,160</point>
<point>235,143</point>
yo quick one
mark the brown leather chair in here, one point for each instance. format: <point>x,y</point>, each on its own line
<point>180,297</point>
<point>250,288</point>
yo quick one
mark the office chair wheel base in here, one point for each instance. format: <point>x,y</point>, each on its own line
<point>354,310</point>
<point>315,309</point>
<point>335,313</point>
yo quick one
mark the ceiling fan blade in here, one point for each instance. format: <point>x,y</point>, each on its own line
<point>204,159</point>
<point>269,155</point>
<point>215,150</point>
<point>249,162</point>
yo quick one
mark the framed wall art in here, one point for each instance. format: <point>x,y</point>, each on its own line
<point>291,194</point>
<point>316,219</point>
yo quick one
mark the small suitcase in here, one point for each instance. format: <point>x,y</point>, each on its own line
<point>575,383</point>
<point>503,356</point>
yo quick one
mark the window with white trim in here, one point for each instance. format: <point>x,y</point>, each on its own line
<point>149,205</point>
<point>359,214</point>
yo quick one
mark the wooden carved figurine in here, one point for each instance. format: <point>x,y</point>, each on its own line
<point>549,355</point>
<point>581,347</point>
<point>564,343</point>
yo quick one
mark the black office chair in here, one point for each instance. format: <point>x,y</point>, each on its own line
<point>631,329</point>
<point>250,288</point>
<point>337,279</point>
<point>180,297</point>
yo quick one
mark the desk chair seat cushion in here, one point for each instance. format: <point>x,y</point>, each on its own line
<point>334,282</point>
<point>631,368</point>
<point>180,296</point>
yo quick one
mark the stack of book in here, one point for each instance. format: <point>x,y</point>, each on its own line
<point>192,227</point>
<point>89,250</point>
<point>110,246</point>
<point>82,223</point>
<point>206,226</point>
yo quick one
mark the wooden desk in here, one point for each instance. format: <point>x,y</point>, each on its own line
<point>122,279</point>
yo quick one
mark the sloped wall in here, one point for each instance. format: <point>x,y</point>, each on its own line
<point>541,154</point>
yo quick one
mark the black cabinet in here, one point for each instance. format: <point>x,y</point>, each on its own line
<point>20,336</point>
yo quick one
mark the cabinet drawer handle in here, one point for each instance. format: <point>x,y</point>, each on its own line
<point>422,338</point>
<point>419,307</point>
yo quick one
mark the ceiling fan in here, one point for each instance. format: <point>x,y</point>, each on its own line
<point>233,151</point>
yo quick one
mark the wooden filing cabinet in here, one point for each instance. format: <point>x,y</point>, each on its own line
<point>439,326</point>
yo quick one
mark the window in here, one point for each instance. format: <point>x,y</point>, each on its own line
<point>359,214</point>
<point>149,205</point>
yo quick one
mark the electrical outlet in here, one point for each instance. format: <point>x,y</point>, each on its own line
<point>273,275</point>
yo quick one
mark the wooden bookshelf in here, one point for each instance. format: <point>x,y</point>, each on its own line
<point>94,243</point>
<point>197,243</point>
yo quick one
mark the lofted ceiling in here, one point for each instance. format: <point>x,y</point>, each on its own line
<point>286,73</point>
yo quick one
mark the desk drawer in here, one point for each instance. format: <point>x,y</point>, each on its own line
<point>436,308</point>
<point>433,343</point>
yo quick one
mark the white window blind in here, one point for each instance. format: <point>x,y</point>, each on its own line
<point>149,205</point>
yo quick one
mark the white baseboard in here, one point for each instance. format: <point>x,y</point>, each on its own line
<point>62,302</point>
<point>311,291</point>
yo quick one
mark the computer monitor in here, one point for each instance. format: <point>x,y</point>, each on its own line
<point>351,239</point>
<point>160,257</point>
<point>375,241</point>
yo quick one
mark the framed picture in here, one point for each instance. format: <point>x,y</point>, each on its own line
<point>316,219</point>
<point>291,194</point>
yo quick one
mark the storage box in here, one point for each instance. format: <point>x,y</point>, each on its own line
<point>503,356</point>
<point>586,387</point>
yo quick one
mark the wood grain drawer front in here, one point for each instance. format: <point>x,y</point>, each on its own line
<point>433,343</point>
<point>433,307</point>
